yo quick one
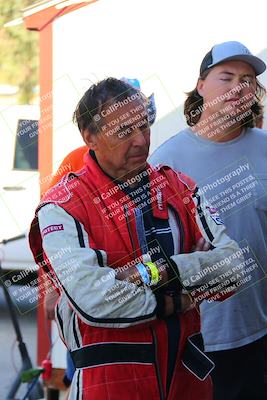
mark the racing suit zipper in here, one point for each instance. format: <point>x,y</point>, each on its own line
<point>160,385</point>
<point>181,233</point>
<point>130,231</point>
<point>173,376</point>
<point>181,230</point>
<point>155,342</point>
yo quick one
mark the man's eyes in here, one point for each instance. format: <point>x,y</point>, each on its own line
<point>247,82</point>
<point>127,131</point>
<point>143,125</point>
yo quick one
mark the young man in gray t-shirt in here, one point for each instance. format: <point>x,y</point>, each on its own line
<point>227,157</point>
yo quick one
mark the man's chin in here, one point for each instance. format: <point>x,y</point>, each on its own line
<point>140,167</point>
<point>136,169</point>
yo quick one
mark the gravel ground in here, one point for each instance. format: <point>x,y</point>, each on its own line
<point>10,360</point>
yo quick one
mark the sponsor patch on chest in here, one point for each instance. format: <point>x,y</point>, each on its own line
<point>213,212</point>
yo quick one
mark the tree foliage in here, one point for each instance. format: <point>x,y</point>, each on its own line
<point>18,51</point>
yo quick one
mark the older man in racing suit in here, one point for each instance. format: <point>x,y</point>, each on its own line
<point>116,239</point>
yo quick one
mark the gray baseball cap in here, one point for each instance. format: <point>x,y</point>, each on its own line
<point>228,51</point>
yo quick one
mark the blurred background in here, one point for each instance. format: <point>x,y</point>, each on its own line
<point>19,103</point>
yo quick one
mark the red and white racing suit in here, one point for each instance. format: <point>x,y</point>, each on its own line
<point>118,343</point>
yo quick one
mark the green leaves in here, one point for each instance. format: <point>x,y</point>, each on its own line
<point>18,51</point>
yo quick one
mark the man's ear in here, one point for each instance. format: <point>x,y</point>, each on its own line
<point>89,139</point>
<point>200,84</point>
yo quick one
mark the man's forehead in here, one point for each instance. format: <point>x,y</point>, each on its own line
<point>119,119</point>
<point>124,107</point>
<point>235,66</point>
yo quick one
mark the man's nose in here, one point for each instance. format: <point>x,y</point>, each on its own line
<point>139,138</point>
<point>236,87</point>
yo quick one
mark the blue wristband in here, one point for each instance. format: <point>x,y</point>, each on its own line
<point>143,273</point>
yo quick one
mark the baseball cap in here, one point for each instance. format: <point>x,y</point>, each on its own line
<point>228,51</point>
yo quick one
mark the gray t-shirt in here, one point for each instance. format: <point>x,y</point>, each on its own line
<point>233,177</point>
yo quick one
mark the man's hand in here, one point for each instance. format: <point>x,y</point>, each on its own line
<point>201,245</point>
<point>186,304</point>
<point>49,304</point>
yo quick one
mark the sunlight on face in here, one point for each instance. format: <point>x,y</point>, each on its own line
<point>228,88</point>
<point>122,143</point>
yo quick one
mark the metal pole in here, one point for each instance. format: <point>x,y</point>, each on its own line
<point>37,390</point>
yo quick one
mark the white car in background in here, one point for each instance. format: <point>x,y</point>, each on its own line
<point>19,182</point>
